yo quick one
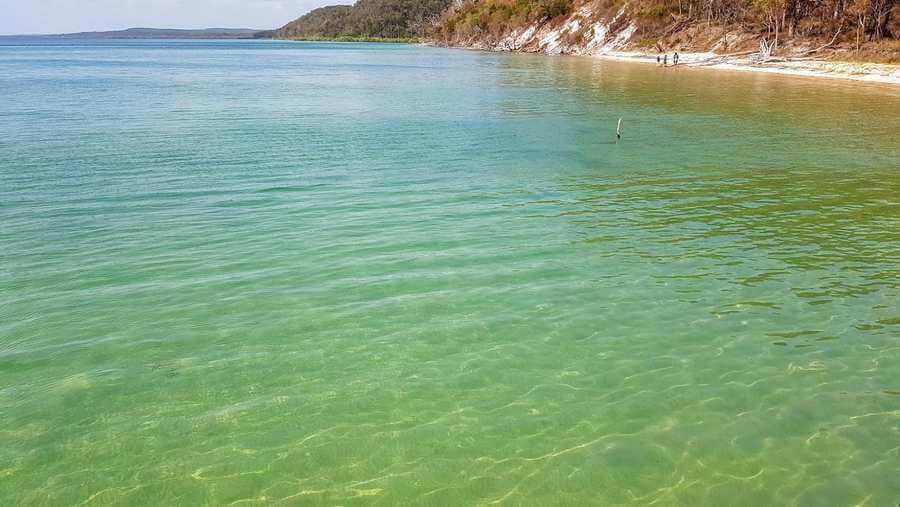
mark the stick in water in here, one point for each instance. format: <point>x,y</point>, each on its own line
<point>619,130</point>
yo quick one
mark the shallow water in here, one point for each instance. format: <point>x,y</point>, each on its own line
<point>350,274</point>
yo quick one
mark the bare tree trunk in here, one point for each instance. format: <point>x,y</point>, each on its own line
<point>783,22</point>
<point>776,32</point>
<point>859,27</point>
<point>811,51</point>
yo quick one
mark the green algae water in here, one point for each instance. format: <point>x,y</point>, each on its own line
<point>257,273</point>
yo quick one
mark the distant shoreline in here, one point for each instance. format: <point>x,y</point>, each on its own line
<point>264,35</point>
<point>385,40</point>
<point>855,71</point>
<point>154,33</point>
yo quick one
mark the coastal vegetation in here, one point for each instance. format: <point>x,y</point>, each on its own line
<point>368,20</point>
<point>864,29</point>
<point>322,23</point>
<point>723,25</point>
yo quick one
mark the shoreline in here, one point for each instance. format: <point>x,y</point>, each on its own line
<point>855,71</point>
<point>869,72</point>
<point>374,40</point>
<point>880,73</point>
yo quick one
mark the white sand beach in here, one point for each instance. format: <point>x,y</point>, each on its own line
<point>858,71</point>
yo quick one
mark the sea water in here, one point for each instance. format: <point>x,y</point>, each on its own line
<point>255,272</point>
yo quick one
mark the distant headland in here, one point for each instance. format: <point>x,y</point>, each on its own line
<point>161,33</point>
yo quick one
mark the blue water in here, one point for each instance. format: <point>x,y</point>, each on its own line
<point>351,274</point>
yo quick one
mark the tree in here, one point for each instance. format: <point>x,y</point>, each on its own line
<point>775,12</point>
<point>860,10</point>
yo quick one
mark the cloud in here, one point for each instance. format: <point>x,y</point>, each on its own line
<point>60,16</point>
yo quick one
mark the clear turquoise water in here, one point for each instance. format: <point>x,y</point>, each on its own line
<point>342,274</point>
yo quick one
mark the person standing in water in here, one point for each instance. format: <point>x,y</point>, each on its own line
<point>675,58</point>
<point>665,59</point>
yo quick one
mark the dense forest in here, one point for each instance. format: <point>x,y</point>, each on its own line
<point>378,19</point>
<point>325,22</point>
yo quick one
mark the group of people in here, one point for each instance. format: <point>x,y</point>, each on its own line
<point>664,59</point>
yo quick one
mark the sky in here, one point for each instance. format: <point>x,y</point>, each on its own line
<point>64,16</point>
